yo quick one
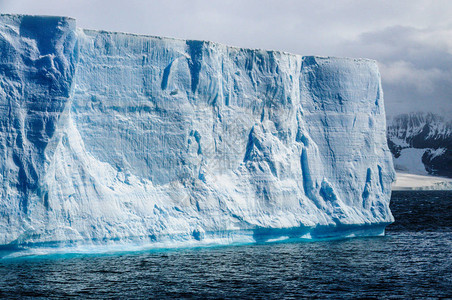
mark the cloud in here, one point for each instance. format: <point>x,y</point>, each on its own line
<point>415,63</point>
<point>411,39</point>
<point>403,73</point>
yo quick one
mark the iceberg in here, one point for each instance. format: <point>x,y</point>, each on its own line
<point>111,137</point>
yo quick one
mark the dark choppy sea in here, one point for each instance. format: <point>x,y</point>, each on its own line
<point>413,260</point>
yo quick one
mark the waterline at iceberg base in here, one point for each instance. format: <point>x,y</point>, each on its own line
<point>113,137</point>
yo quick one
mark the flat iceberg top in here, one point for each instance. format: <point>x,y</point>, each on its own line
<point>114,137</point>
<point>37,17</point>
<point>19,17</point>
<point>163,38</point>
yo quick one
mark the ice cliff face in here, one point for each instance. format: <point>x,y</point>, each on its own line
<point>119,137</point>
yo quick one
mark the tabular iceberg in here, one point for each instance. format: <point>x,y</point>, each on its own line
<point>118,137</point>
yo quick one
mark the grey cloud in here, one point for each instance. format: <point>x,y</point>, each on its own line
<point>416,66</point>
<point>411,39</point>
<point>409,44</point>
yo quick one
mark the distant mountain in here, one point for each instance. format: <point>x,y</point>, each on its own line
<point>421,143</point>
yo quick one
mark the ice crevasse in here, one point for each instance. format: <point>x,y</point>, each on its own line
<point>110,137</point>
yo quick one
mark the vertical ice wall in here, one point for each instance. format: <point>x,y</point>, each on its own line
<point>37,64</point>
<point>163,139</point>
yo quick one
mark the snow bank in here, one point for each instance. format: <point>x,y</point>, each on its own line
<point>406,182</point>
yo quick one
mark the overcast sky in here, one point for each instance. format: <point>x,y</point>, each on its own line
<point>411,40</point>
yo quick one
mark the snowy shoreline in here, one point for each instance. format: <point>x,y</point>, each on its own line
<point>406,182</point>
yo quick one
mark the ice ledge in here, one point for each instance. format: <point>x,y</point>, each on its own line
<point>209,239</point>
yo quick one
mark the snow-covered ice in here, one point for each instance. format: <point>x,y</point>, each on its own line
<point>112,137</point>
<point>410,161</point>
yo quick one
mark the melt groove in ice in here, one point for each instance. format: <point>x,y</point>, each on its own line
<point>119,137</point>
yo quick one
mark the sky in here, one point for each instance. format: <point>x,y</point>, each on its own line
<point>411,40</point>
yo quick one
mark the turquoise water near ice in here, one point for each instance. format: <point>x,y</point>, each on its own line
<point>413,260</point>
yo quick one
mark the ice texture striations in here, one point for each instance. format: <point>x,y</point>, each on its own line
<point>119,137</point>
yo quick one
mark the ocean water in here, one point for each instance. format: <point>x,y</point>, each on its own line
<point>413,260</point>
